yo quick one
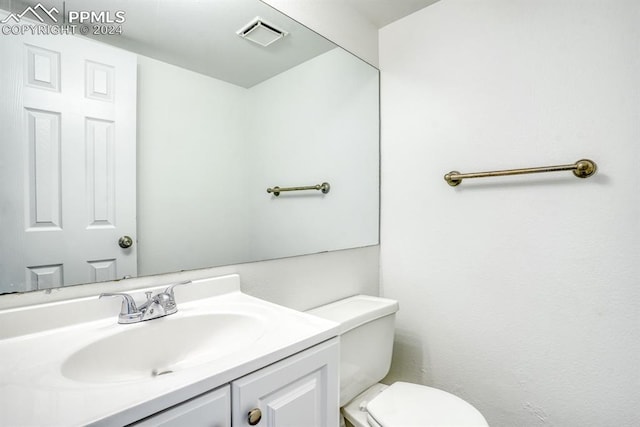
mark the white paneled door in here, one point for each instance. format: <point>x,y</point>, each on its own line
<point>67,162</point>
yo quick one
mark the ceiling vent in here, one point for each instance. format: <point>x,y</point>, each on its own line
<point>261,32</point>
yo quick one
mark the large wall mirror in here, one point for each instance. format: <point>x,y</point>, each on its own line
<point>157,121</point>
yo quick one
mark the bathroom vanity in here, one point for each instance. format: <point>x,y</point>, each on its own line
<point>294,391</point>
<point>223,359</point>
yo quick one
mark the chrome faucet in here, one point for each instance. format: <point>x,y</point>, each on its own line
<point>159,305</point>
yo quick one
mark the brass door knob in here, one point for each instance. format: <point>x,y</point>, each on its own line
<point>125,242</point>
<point>255,415</point>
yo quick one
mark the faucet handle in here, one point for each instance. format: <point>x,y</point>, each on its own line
<point>169,290</point>
<point>128,304</point>
<point>168,299</point>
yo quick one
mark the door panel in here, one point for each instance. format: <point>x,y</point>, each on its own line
<point>67,161</point>
<point>212,409</point>
<point>299,391</point>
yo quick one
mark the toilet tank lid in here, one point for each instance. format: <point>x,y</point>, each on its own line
<point>356,310</point>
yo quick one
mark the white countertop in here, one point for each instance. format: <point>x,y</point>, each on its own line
<point>34,392</point>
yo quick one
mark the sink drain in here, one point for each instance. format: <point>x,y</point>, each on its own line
<point>157,373</point>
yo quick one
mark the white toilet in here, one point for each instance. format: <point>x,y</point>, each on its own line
<point>366,341</point>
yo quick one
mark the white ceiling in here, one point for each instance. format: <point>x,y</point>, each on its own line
<point>384,12</point>
<point>200,35</point>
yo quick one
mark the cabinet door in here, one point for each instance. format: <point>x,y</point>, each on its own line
<point>301,390</point>
<point>212,409</point>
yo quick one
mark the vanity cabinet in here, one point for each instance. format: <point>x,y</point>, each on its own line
<point>211,409</point>
<point>301,390</point>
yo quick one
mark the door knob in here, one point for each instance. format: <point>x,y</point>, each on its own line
<point>255,415</point>
<point>125,242</point>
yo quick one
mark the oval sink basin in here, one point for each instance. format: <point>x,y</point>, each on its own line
<point>162,346</point>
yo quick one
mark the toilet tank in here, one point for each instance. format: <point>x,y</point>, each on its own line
<point>366,340</point>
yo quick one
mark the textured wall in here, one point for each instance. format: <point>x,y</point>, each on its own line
<point>519,294</point>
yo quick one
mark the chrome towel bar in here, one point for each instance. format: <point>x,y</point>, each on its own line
<point>583,168</point>
<point>324,187</point>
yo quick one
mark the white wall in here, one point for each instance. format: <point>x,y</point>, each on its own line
<point>313,123</point>
<point>519,294</point>
<point>190,131</point>
<point>316,122</point>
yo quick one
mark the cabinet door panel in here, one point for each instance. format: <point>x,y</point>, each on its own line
<point>299,391</point>
<point>212,409</point>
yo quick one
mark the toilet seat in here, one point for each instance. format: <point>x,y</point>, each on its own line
<point>412,405</point>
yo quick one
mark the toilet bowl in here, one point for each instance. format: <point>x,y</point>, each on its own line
<point>366,341</point>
